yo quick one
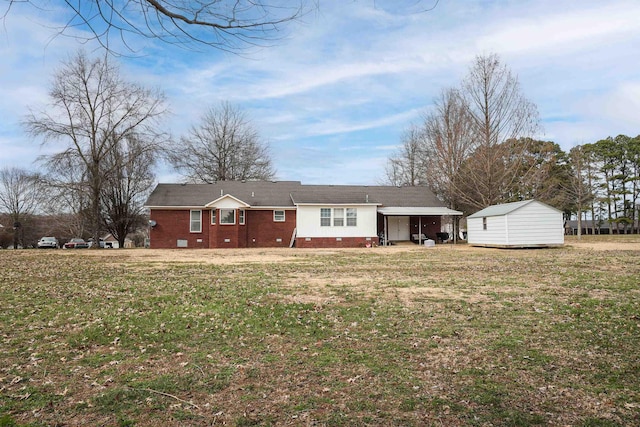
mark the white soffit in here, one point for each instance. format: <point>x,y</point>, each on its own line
<point>227,197</point>
<point>417,211</point>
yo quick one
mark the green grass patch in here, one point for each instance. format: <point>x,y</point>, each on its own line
<point>450,336</point>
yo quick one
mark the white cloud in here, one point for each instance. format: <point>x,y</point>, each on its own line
<point>614,112</point>
<point>554,29</point>
<point>334,97</point>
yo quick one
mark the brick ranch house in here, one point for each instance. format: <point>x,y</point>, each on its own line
<point>258,214</point>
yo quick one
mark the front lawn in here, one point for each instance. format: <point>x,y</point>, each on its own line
<point>381,336</point>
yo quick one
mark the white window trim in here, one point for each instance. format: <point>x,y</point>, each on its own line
<point>191,221</point>
<point>337,218</point>
<point>284,215</point>
<point>326,217</point>
<point>222,216</point>
<point>241,216</point>
<point>354,217</point>
<point>345,217</point>
<point>213,216</point>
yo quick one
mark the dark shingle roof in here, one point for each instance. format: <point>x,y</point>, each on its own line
<point>333,194</point>
<point>254,193</point>
<point>289,193</point>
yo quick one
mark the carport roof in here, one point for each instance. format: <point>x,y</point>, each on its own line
<point>417,211</point>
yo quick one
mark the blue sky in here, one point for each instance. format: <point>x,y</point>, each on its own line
<point>333,97</point>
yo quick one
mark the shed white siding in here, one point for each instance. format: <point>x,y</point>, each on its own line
<point>496,232</point>
<point>308,222</point>
<point>521,224</point>
<point>535,224</point>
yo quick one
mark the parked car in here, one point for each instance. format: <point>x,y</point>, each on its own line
<point>103,244</point>
<point>48,242</point>
<point>76,243</point>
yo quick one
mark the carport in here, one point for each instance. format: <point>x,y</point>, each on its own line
<point>400,222</point>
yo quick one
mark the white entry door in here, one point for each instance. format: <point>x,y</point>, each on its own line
<point>398,227</point>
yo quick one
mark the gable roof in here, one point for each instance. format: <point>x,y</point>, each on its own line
<point>289,194</point>
<point>505,208</point>
<point>226,197</point>
<point>254,193</point>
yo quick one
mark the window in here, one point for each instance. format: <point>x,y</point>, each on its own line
<point>241,217</point>
<point>325,217</point>
<point>352,217</point>
<point>213,216</point>
<point>338,217</point>
<point>278,216</point>
<point>195,224</point>
<point>484,223</point>
<point>227,216</point>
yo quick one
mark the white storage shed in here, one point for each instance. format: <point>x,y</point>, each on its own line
<point>525,224</point>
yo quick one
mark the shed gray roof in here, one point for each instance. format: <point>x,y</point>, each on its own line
<point>290,193</point>
<point>504,209</point>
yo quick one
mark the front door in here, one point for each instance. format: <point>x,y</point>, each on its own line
<point>398,228</point>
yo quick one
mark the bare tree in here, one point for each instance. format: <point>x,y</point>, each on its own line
<point>448,143</point>
<point>92,112</point>
<point>67,194</point>
<point>20,197</point>
<point>129,182</point>
<point>224,147</point>
<point>473,147</point>
<point>229,25</point>
<point>498,112</point>
<point>406,167</point>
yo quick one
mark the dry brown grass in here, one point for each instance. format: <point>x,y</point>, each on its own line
<point>405,335</point>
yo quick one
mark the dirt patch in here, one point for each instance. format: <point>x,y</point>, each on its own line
<point>404,335</point>
<point>276,255</point>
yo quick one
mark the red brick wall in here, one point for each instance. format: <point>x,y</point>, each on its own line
<point>231,232</point>
<point>263,232</point>
<point>430,226</point>
<point>331,242</point>
<point>259,230</point>
<point>173,225</point>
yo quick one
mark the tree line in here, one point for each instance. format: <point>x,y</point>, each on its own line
<point>106,137</point>
<point>476,147</point>
<point>108,130</point>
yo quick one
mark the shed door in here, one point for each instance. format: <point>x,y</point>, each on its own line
<point>398,227</point>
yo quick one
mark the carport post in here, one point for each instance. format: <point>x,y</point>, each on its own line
<point>456,227</point>
<point>386,236</point>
